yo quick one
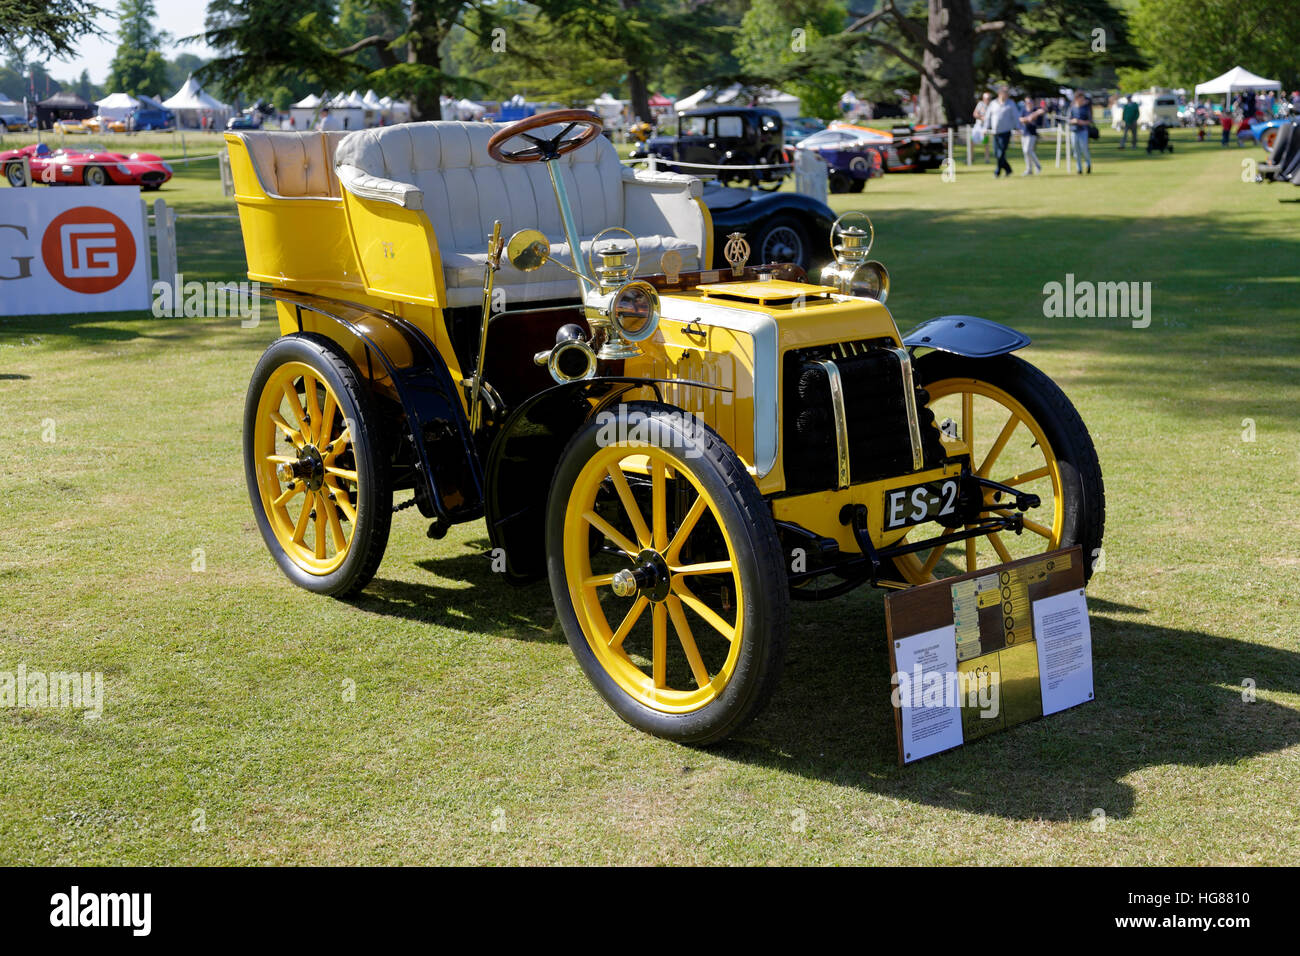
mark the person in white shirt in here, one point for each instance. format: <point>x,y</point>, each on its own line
<point>1003,119</point>
<point>328,121</point>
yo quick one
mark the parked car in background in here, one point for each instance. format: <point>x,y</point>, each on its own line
<point>247,121</point>
<point>14,123</point>
<point>722,136</point>
<point>1157,106</point>
<point>802,127</point>
<point>851,154</point>
<point>84,166</point>
<point>149,119</point>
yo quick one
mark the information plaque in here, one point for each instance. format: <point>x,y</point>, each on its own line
<point>984,651</point>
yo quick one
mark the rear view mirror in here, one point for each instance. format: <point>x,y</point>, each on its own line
<point>528,250</point>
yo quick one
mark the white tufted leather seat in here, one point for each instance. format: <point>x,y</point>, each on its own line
<point>295,165</point>
<point>443,168</point>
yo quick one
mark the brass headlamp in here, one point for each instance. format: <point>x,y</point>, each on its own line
<point>852,273</point>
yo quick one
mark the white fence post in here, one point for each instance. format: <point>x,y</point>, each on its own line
<point>1058,146</point>
<point>967,127</point>
<point>164,231</point>
<point>227,181</point>
<point>810,176</point>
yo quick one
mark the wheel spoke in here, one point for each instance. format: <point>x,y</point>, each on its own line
<point>629,621</point>
<point>1020,479</point>
<point>629,505</point>
<point>281,459</point>
<point>970,554</point>
<point>996,540</point>
<point>685,528</point>
<point>293,489</point>
<point>1003,437</point>
<point>1033,526</point>
<point>709,567</point>
<point>609,531</point>
<point>338,445</point>
<point>341,473</point>
<point>597,580</point>
<point>319,537</point>
<point>326,420</point>
<point>659,649</point>
<point>300,529</point>
<point>968,420</point>
<point>687,639</point>
<point>290,432</point>
<point>336,529</point>
<point>342,501</point>
<point>313,408</point>
<point>295,408</point>
<point>709,615</point>
<point>936,554</point>
<point>659,506</point>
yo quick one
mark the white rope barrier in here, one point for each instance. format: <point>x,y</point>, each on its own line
<point>655,160</point>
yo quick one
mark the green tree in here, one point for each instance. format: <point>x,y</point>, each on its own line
<point>1190,41</point>
<point>47,28</point>
<point>138,66</point>
<point>787,43</point>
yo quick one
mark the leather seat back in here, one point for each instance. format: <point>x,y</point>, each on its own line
<point>295,165</point>
<point>464,190</point>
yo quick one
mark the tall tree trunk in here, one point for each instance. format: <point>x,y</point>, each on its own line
<point>639,95</point>
<point>636,88</point>
<point>424,38</point>
<point>948,80</point>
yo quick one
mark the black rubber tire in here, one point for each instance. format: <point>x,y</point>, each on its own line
<point>1082,485</point>
<point>839,182</point>
<point>783,222</point>
<point>374,506</point>
<point>749,523</point>
<point>858,185</point>
<point>95,172</point>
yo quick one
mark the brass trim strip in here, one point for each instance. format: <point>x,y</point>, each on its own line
<point>909,403</point>
<point>841,421</point>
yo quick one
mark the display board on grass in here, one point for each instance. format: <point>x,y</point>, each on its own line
<point>987,650</point>
<point>73,249</point>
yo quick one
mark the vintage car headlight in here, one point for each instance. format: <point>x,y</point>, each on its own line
<point>871,279</point>
<point>634,310</point>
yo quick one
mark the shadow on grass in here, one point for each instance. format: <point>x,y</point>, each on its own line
<point>1165,696</point>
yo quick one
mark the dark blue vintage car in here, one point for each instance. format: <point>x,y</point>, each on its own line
<point>742,136</point>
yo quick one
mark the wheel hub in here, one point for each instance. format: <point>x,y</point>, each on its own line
<point>310,467</point>
<point>649,577</point>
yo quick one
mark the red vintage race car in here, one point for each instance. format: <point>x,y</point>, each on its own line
<point>84,166</point>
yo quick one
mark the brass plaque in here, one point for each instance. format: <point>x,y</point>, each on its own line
<point>1020,698</point>
<point>981,697</point>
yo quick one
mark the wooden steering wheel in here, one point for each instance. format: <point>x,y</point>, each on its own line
<point>544,150</point>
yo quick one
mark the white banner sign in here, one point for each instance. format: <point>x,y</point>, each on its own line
<point>73,249</point>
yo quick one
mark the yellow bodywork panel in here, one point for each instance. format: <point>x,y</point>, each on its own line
<point>397,250</point>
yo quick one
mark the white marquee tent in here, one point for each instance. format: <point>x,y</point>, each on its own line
<point>303,113</point>
<point>190,102</point>
<point>1236,80</point>
<point>117,106</point>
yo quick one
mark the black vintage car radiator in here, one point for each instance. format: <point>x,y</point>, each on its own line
<point>879,435</point>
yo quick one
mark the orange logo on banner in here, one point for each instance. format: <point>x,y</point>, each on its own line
<point>88,250</point>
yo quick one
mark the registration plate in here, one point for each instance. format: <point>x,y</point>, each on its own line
<point>917,504</point>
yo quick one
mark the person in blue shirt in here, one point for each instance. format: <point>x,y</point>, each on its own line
<point>1080,120</point>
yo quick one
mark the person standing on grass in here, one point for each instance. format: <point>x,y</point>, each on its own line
<point>1029,137</point>
<point>1130,114</point>
<point>981,121</point>
<point>1080,120</point>
<point>1225,120</point>
<point>1003,119</point>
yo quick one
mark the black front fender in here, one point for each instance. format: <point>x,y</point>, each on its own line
<point>966,335</point>
<point>523,459</point>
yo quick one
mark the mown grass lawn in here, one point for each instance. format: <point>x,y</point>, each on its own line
<point>227,734</point>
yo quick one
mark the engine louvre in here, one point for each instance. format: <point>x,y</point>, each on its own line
<point>878,433</point>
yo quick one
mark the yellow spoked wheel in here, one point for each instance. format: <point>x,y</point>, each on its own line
<point>667,576</point>
<point>1023,432</point>
<point>309,439</point>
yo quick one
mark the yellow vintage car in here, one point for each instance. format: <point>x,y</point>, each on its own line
<point>508,324</point>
